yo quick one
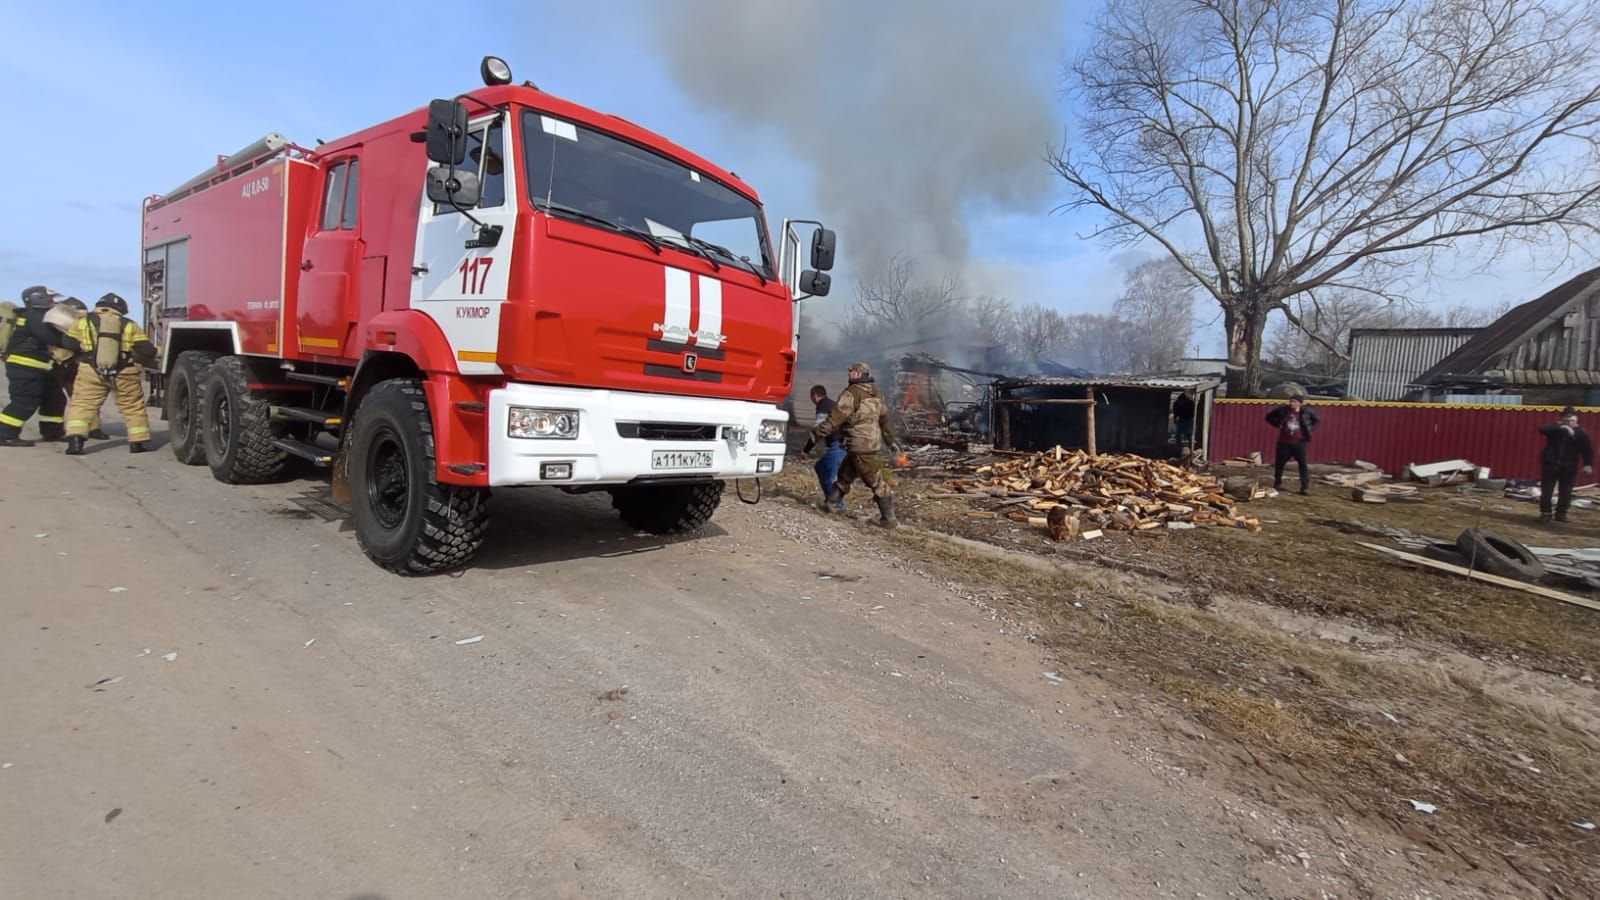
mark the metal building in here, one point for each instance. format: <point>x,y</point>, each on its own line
<point>1385,363</point>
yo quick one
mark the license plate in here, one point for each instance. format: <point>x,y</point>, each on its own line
<point>680,459</point>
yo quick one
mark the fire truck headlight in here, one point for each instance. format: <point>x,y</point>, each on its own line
<point>494,71</point>
<point>541,424</point>
<point>773,431</point>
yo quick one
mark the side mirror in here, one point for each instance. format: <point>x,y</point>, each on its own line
<point>447,132</point>
<point>458,188</point>
<point>816,284</point>
<point>822,245</point>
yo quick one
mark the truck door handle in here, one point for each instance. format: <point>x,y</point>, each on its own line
<point>305,265</point>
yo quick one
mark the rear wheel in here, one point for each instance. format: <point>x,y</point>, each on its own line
<point>236,426</point>
<point>667,508</point>
<point>406,521</point>
<point>183,405</point>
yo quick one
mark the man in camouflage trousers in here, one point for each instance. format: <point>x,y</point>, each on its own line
<point>863,415</point>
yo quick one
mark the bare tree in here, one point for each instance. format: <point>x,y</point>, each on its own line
<point>1038,332</point>
<point>893,299</point>
<point>993,320</point>
<point>1274,147</point>
<point>1099,343</point>
<point>1315,335</point>
<point>1157,307</point>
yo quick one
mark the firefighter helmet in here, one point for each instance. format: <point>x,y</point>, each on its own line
<point>112,301</point>
<point>38,296</point>
<point>75,303</point>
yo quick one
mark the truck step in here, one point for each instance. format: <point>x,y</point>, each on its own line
<point>306,414</point>
<point>340,382</point>
<point>320,456</point>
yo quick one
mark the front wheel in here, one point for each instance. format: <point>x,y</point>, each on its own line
<point>667,508</point>
<point>406,521</point>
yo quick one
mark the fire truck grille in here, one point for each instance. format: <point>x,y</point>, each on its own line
<point>667,431</point>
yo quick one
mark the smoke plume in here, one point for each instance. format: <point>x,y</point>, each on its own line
<point>909,112</point>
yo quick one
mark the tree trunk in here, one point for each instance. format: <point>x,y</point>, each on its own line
<point>1245,323</point>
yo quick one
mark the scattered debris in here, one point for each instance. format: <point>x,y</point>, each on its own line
<point>118,589</point>
<point>104,683</point>
<point>1421,807</point>
<point>1242,462</point>
<point>1054,678</point>
<point>1116,491</point>
<point>1586,826</point>
<point>896,675</point>
<point>1392,717</point>
<point>471,640</point>
<point>615,694</point>
<point>113,814</point>
<point>1452,471</point>
<point>42,534</point>
<point>310,642</point>
<point>6,765</point>
<point>171,657</point>
<point>1550,593</point>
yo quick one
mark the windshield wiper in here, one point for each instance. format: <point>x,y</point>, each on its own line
<point>575,213</point>
<point>692,245</point>
<point>738,261</point>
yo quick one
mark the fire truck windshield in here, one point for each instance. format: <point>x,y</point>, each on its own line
<point>587,175</point>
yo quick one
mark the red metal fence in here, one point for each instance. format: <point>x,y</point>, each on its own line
<point>1393,435</point>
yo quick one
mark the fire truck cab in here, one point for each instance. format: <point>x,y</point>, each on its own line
<point>502,289</point>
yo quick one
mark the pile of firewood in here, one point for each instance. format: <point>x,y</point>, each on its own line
<point>1074,495</point>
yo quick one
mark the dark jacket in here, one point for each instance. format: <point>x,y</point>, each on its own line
<point>1183,408</point>
<point>1563,450</point>
<point>863,414</point>
<point>1308,419</point>
<point>824,409</point>
<point>32,338</point>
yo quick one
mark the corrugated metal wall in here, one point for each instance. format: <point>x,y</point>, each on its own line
<point>1383,366</point>
<point>1393,435</point>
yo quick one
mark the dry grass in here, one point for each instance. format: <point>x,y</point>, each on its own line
<point>1312,714</point>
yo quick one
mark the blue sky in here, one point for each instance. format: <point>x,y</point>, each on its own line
<point>111,102</point>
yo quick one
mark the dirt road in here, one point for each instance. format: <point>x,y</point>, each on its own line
<point>208,691</point>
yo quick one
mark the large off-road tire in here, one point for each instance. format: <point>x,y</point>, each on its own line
<point>1497,554</point>
<point>406,521</point>
<point>236,426</point>
<point>184,390</point>
<point>667,508</point>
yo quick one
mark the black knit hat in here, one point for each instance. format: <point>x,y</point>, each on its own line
<point>1569,411</point>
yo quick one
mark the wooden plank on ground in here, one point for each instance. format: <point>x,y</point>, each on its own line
<point>1537,590</point>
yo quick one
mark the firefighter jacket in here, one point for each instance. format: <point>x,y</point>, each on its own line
<point>863,414</point>
<point>31,342</point>
<point>136,346</point>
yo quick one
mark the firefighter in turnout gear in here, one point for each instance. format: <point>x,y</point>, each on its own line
<point>863,415</point>
<point>29,370</point>
<point>67,369</point>
<point>113,348</point>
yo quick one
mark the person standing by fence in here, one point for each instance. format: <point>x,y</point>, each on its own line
<point>1295,421</point>
<point>1566,445</point>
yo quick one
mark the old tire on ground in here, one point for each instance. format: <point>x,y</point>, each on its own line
<point>236,426</point>
<point>1497,554</point>
<point>185,388</point>
<point>1445,553</point>
<point>667,508</point>
<point>406,521</point>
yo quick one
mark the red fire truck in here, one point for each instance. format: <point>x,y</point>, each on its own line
<point>502,289</point>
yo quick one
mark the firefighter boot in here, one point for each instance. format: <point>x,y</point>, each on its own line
<point>886,510</point>
<point>15,442</point>
<point>99,434</point>
<point>138,447</point>
<point>831,501</point>
<point>75,445</point>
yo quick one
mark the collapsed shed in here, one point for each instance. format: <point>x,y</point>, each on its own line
<point>1100,414</point>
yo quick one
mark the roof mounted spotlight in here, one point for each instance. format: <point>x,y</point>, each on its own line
<point>494,71</point>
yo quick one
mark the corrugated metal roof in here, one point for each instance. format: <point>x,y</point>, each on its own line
<point>1385,362</point>
<point>1154,382</point>
<point>1510,329</point>
<point>1547,377</point>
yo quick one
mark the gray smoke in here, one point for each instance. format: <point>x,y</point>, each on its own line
<point>908,111</point>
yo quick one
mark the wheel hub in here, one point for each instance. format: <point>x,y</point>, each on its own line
<point>388,480</point>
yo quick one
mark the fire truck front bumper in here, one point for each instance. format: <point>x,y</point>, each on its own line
<point>571,436</point>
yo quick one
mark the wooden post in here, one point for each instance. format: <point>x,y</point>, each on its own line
<point>1004,437</point>
<point>1088,393</point>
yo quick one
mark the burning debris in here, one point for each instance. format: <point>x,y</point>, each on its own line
<point>1065,491</point>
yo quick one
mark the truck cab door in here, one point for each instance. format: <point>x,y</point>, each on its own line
<point>456,280</point>
<point>330,267</point>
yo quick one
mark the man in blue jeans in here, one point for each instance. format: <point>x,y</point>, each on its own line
<point>833,452</point>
